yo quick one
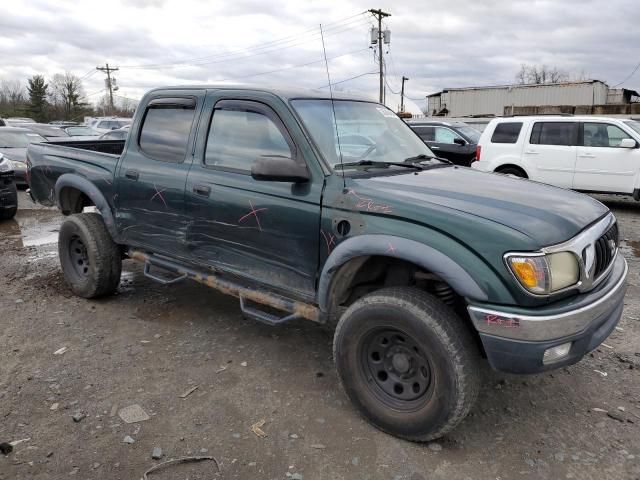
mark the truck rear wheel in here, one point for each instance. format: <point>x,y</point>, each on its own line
<point>90,259</point>
<point>407,362</point>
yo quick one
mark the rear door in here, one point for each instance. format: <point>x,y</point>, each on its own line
<point>265,230</point>
<point>153,171</point>
<point>551,148</point>
<point>602,165</point>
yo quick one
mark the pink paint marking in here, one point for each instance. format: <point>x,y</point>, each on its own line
<point>391,249</point>
<point>368,203</point>
<point>330,240</point>
<point>254,212</point>
<point>159,194</point>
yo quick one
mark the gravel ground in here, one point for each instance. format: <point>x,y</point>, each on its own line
<point>150,344</point>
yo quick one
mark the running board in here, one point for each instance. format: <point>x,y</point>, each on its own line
<point>295,309</point>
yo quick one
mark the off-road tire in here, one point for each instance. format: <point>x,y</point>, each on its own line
<point>9,213</point>
<point>515,171</point>
<point>433,330</point>
<point>91,262</point>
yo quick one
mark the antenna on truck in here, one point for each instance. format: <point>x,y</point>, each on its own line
<point>333,107</point>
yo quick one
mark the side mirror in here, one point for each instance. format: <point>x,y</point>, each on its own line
<point>459,141</point>
<point>279,169</point>
<point>628,143</point>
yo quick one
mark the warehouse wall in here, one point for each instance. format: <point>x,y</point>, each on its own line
<point>492,101</point>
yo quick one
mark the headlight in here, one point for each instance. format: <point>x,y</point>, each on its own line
<point>18,165</point>
<point>543,274</point>
<point>5,164</point>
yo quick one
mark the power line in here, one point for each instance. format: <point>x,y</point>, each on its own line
<point>350,78</point>
<point>339,26</point>
<point>292,66</point>
<point>628,76</point>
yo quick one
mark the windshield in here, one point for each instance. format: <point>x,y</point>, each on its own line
<point>470,132</point>
<point>633,124</point>
<point>18,139</point>
<point>366,130</point>
<point>80,131</point>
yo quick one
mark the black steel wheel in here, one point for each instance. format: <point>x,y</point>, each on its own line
<point>79,256</point>
<point>407,362</point>
<point>397,369</point>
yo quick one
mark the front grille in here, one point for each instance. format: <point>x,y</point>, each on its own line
<point>605,248</point>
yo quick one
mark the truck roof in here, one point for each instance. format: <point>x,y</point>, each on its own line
<point>285,93</point>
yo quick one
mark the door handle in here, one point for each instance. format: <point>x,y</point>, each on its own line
<point>587,155</point>
<point>202,190</point>
<point>132,174</point>
<point>434,148</point>
<point>531,152</point>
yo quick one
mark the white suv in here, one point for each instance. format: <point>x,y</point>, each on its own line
<point>590,154</point>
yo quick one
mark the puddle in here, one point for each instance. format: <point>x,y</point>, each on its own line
<point>31,228</point>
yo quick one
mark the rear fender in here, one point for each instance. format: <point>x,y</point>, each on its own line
<point>70,180</point>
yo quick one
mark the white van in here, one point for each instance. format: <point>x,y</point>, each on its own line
<point>590,154</point>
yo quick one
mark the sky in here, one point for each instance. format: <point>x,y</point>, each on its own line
<point>436,44</point>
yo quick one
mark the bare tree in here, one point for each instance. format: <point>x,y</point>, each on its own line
<point>12,97</point>
<point>68,95</point>
<point>537,74</point>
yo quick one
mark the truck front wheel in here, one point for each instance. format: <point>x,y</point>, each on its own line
<point>407,362</point>
<point>90,260</point>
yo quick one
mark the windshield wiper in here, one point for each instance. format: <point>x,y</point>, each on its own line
<point>370,163</point>
<point>422,156</point>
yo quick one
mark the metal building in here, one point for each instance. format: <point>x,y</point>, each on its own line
<point>524,99</point>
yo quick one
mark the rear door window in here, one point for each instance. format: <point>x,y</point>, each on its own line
<point>554,133</point>
<point>165,132</point>
<point>506,132</point>
<point>425,133</point>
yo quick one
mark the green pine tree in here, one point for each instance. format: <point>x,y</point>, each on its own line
<point>38,105</point>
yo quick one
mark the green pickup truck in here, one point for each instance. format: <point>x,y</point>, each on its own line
<point>334,211</point>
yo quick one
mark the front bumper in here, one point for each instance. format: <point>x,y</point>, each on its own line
<point>515,341</point>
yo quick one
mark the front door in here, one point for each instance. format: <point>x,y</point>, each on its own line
<point>265,230</point>
<point>602,165</point>
<point>551,149</point>
<point>153,172</point>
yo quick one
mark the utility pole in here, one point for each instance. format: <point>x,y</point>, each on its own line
<point>379,14</point>
<point>108,71</point>
<point>404,79</point>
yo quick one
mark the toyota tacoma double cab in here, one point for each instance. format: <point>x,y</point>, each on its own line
<point>333,210</point>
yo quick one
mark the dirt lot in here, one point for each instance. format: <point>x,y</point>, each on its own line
<point>150,344</point>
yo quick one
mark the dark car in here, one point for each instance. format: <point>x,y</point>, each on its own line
<point>455,141</point>
<point>13,146</point>
<point>119,134</point>
<point>8,192</point>
<point>47,131</point>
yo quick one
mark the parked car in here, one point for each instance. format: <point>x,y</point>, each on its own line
<point>589,154</point>
<point>49,132</point>
<point>420,265</point>
<point>63,123</point>
<point>8,191</point>
<point>13,146</point>
<point>15,121</point>
<point>455,141</point>
<point>80,131</point>
<point>106,125</point>
<point>119,134</point>
<point>2,122</point>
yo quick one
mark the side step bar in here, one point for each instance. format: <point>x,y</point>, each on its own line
<point>295,309</point>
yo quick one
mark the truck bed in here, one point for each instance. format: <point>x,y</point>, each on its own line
<point>94,160</point>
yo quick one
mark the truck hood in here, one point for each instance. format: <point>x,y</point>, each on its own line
<point>548,215</point>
